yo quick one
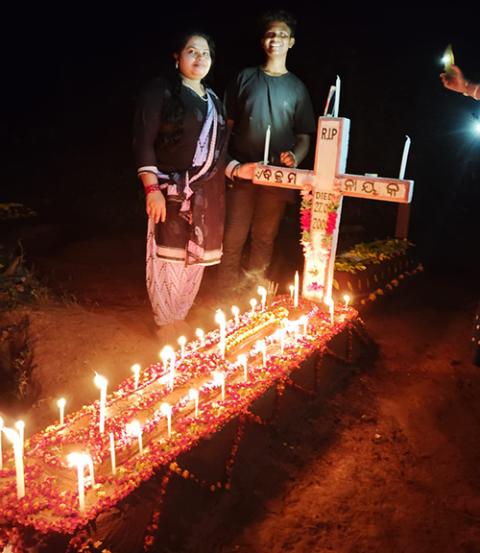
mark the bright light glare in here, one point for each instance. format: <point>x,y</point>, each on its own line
<point>476,127</point>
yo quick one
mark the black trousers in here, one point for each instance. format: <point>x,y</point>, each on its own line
<point>252,209</point>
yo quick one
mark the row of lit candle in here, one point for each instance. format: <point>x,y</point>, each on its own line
<point>81,460</point>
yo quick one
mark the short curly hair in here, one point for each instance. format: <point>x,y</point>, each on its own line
<point>270,16</point>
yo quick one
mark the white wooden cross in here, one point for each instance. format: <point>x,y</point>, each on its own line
<point>329,184</point>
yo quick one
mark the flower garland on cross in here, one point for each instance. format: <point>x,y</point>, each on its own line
<point>327,224</point>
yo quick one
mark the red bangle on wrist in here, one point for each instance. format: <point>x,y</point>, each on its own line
<point>151,188</point>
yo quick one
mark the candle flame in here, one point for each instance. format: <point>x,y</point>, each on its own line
<point>166,409</point>
<point>219,316</point>
<point>167,354</point>
<point>12,435</point>
<point>133,428</point>
<point>20,426</point>
<point>218,378</point>
<point>61,403</point>
<point>76,459</point>
<point>100,381</point>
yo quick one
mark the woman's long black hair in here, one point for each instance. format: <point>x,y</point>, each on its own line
<point>174,110</point>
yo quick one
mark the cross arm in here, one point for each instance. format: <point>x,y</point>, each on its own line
<point>376,188</point>
<point>282,177</point>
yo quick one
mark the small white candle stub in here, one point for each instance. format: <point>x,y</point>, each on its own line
<point>182,340</point>
<point>166,411</point>
<point>331,308</point>
<point>219,380</point>
<point>236,314</point>
<point>134,429</point>
<point>136,375</point>
<point>262,348</point>
<point>194,396</point>
<point>201,336</point>
<point>262,292</point>
<point>167,356</point>
<point>61,408</point>
<point>242,360</point>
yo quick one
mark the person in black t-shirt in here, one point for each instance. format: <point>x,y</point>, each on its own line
<point>259,97</point>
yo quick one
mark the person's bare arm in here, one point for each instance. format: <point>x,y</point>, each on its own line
<point>293,158</point>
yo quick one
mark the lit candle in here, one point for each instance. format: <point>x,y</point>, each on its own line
<point>14,437</point>
<point>219,380</point>
<point>194,397</point>
<point>262,348</point>
<point>136,374</point>
<point>79,460</point>
<point>403,165</point>
<point>242,360</point>
<point>168,359</point>
<point>296,286</point>
<point>201,336</point>
<point>283,331</point>
<point>101,382</point>
<point>1,453</point>
<point>236,314</point>
<point>134,429</point>
<point>346,299</point>
<point>181,342</point>
<point>295,325</point>
<point>262,292</point>
<point>253,304</point>
<point>220,320</point>
<point>291,288</point>
<point>267,146</point>
<point>61,407</point>
<point>20,426</point>
<point>331,308</point>
<point>336,103</point>
<point>112,454</point>
<point>166,411</point>
<point>304,321</point>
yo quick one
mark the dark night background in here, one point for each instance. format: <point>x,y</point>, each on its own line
<point>71,76</point>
